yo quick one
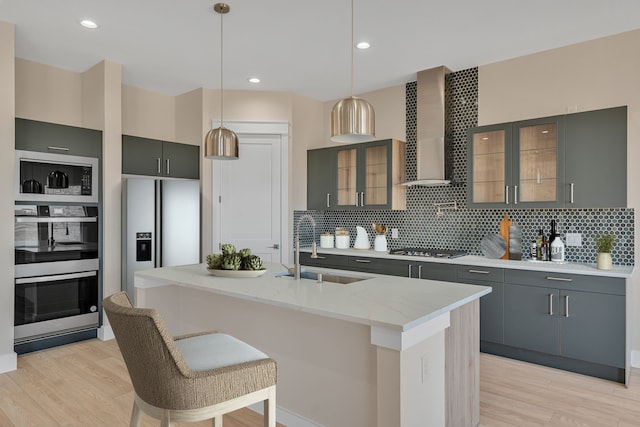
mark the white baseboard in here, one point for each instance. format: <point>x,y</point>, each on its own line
<point>635,358</point>
<point>8,362</point>
<point>105,333</point>
<point>286,417</point>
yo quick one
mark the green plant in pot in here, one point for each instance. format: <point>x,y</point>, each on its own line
<point>604,243</point>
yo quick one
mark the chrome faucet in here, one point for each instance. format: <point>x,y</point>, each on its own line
<point>314,253</point>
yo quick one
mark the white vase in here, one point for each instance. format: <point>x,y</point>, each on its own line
<point>604,261</point>
<point>380,243</point>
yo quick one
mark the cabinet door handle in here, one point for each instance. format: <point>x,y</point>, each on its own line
<point>559,279</point>
<point>158,165</point>
<point>321,257</point>
<point>409,276</point>
<point>362,198</point>
<point>420,272</point>
<point>328,200</point>
<point>478,271</point>
<point>550,304</point>
<point>364,261</point>
<point>566,306</point>
<point>357,199</point>
<point>571,186</point>
<point>168,170</point>
<point>53,147</point>
<point>515,194</point>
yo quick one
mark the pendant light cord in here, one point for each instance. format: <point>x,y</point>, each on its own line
<point>221,73</point>
<point>351,47</point>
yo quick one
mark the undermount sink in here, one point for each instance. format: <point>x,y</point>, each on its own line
<point>327,277</point>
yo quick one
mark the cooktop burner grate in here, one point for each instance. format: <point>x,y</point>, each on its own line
<point>428,252</point>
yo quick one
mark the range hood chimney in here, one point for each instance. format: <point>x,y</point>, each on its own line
<point>430,143</point>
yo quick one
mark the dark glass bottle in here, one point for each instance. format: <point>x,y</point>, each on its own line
<point>552,237</point>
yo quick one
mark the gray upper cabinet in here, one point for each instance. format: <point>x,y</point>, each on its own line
<point>573,161</point>
<point>45,137</point>
<point>150,157</point>
<point>321,179</point>
<point>517,165</point>
<point>596,159</point>
<point>364,176</point>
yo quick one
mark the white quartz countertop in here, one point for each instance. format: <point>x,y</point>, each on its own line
<point>385,301</point>
<point>569,267</point>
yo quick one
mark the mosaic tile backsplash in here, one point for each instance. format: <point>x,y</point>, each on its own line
<point>463,229</point>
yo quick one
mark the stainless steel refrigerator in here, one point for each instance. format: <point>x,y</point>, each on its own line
<point>160,225</point>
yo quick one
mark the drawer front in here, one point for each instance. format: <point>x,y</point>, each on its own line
<point>486,274</point>
<point>324,260</point>
<point>606,285</point>
<point>435,271</point>
<point>363,264</point>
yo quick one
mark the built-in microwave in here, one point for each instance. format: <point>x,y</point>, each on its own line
<point>55,177</point>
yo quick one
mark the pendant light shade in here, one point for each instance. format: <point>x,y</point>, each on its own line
<point>221,143</point>
<point>353,118</point>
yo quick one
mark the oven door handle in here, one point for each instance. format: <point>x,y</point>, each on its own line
<point>41,279</point>
<point>38,219</point>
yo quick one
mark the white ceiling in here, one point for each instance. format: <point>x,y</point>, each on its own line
<point>302,46</point>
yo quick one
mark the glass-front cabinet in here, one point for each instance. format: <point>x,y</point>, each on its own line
<point>517,164</point>
<point>364,176</point>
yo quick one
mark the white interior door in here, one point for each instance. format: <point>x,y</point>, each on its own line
<point>248,195</point>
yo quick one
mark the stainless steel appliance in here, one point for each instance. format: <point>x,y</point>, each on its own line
<point>56,272</point>
<point>160,225</point>
<point>428,252</point>
<point>48,177</point>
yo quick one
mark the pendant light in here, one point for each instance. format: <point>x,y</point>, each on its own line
<point>221,143</point>
<point>353,118</point>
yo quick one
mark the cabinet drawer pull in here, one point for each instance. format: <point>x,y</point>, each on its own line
<point>506,195</point>
<point>566,306</point>
<point>572,192</point>
<point>328,200</point>
<point>357,199</point>
<point>366,261</point>
<point>478,271</point>
<point>559,279</point>
<point>362,198</point>
<point>410,267</point>
<point>53,147</point>
<point>158,165</point>
<point>321,257</point>
<point>515,194</point>
<point>168,170</point>
<point>419,272</point>
<point>550,304</point>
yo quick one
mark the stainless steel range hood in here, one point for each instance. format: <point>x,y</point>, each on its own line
<point>430,144</point>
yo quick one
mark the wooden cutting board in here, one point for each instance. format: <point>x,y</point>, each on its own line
<point>504,232</point>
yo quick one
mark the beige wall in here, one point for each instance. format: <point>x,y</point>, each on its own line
<point>148,114</point>
<point>587,76</point>
<point>7,145</point>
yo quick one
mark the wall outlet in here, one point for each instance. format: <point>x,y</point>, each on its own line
<point>573,239</point>
<point>394,233</point>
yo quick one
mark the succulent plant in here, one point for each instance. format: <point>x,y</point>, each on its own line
<point>214,261</point>
<point>228,249</point>
<point>231,262</point>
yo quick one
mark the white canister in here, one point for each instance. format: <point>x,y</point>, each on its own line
<point>326,241</point>
<point>342,241</point>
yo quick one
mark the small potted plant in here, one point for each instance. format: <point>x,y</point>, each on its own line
<point>604,242</point>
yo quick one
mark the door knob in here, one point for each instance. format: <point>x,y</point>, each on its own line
<point>275,246</point>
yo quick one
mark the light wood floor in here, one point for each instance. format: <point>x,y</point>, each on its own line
<point>86,384</point>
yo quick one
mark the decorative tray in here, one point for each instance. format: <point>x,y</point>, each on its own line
<point>236,273</point>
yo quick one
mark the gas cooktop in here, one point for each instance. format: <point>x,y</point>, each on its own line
<point>428,252</point>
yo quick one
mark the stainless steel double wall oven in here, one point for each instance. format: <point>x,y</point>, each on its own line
<point>57,280</point>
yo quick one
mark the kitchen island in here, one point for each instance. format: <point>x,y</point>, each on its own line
<point>368,353</point>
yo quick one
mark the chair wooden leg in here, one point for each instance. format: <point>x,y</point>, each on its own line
<point>270,410</point>
<point>136,416</point>
<point>217,421</point>
<point>166,419</point>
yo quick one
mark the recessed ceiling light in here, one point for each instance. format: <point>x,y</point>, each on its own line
<point>254,80</point>
<point>363,45</point>
<point>87,23</point>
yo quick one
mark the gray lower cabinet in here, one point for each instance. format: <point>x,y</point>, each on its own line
<point>418,269</point>
<point>150,157</point>
<point>492,304</point>
<point>32,135</point>
<point>321,185</point>
<point>324,260</point>
<point>573,316</point>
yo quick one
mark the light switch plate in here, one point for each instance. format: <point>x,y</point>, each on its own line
<point>574,239</point>
<point>394,233</point>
